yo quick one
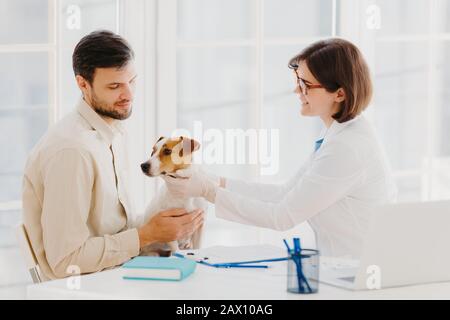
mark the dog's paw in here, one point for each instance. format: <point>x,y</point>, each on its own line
<point>185,244</point>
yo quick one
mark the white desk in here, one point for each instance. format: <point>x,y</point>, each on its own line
<point>208,283</point>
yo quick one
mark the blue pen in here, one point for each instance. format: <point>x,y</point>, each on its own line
<point>287,246</point>
<point>298,249</point>
<point>242,266</point>
<point>239,264</point>
<point>300,287</point>
<point>298,263</point>
<point>227,265</point>
<point>257,261</point>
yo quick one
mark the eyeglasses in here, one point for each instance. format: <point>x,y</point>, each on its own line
<point>303,86</point>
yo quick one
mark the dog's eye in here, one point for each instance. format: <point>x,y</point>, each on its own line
<point>167,152</point>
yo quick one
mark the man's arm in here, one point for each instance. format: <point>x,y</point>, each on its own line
<point>68,183</point>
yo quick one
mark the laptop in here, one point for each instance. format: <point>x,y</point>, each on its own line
<point>407,244</point>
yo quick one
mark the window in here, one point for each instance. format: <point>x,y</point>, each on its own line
<point>230,71</point>
<point>410,94</point>
<point>24,64</point>
<point>37,88</point>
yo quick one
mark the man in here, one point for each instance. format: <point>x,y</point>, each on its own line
<point>76,209</point>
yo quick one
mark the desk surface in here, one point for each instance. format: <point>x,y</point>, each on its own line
<point>208,283</point>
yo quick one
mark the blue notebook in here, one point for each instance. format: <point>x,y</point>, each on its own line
<point>158,268</point>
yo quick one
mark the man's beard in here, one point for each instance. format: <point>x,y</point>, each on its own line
<point>102,108</point>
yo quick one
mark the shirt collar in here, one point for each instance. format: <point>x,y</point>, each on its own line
<point>108,132</point>
<point>336,127</point>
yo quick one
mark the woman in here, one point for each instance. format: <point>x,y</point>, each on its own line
<point>343,179</point>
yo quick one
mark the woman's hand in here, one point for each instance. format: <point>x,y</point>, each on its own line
<point>193,182</point>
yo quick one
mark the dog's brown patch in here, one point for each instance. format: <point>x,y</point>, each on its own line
<point>176,154</point>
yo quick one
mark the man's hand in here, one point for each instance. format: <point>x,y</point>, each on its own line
<point>170,225</point>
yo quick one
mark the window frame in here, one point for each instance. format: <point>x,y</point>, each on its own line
<point>349,21</point>
<point>168,46</point>
<point>349,18</point>
<point>131,21</point>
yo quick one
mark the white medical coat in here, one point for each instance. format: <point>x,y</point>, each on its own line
<point>334,191</point>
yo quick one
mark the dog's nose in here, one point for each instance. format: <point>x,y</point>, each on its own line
<point>145,167</point>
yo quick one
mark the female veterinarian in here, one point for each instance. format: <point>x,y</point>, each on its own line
<point>343,179</point>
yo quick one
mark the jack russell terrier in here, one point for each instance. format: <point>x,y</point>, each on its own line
<point>168,156</point>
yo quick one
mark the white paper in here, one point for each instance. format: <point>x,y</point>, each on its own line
<point>227,254</point>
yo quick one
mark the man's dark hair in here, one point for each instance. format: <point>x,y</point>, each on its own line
<point>100,49</point>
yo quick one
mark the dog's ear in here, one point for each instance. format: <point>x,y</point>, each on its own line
<point>188,146</point>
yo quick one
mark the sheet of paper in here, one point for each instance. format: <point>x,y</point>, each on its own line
<point>223,254</point>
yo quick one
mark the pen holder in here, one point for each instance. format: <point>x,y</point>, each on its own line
<point>303,271</point>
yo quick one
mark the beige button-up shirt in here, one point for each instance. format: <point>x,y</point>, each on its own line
<point>75,205</point>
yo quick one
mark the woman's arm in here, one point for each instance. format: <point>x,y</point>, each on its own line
<point>263,191</point>
<point>331,176</point>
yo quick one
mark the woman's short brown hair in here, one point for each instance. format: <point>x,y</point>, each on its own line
<point>337,63</point>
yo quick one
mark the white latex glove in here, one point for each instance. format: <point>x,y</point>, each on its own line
<point>193,182</point>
